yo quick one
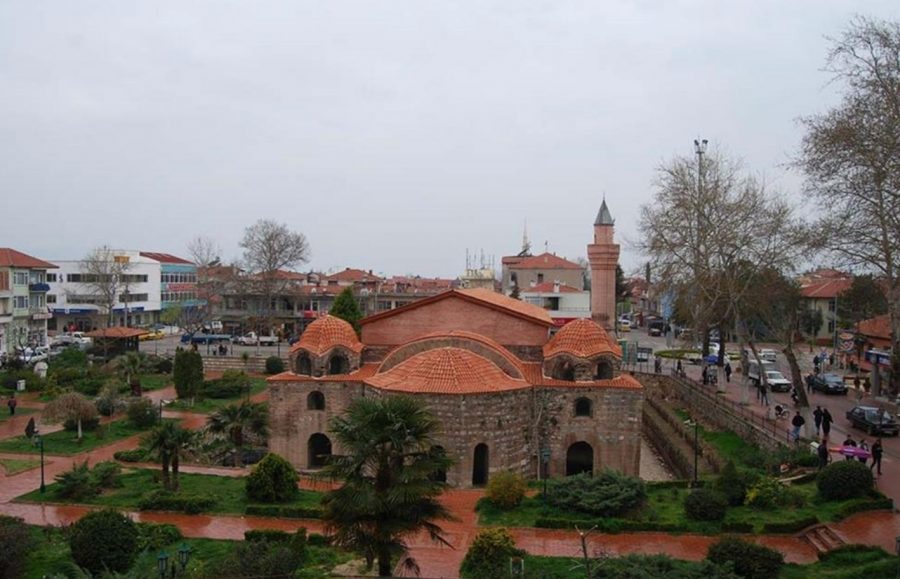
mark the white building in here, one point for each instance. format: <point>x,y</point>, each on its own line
<point>564,303</point>
<point>76,304</point>
<point>23,307</point>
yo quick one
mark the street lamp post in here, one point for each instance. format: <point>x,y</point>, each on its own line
<point>39,440</point>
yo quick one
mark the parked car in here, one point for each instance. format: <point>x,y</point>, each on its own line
<point>252,339</point>
<point>828,384</point>
<point>656,327</point>
<point>875,421</point>
<point>152,335</point>
<point>624,325</point>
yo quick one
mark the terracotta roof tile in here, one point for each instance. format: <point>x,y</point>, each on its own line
<point>326,333</point>
<point>489,342</point>
<point>877,327</point>
<point>446,371</point>
<point>582,338</point>
<point>825,289</point>
<point>165,258</point>
<point>534,374</point>
<point>11,258</point>
<point>544,261</point>
<point>351,274</point>
<point>548,286</point>
<point>485,297</point>
<point>364,371</point>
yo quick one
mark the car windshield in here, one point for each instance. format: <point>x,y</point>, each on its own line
<point>832,379</point>
<point>775,375</point>
<point>873,415</point>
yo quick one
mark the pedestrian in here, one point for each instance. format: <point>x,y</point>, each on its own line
<point>823,453</point>
<point>11,403</point>
<point>863,445</point>
<point>657,364</point>
<point>830,361</point>
<point>679,369</point>
<point>809,382</point>
<point>797,422</point>
<point>704,375</point>
<point>763,394</point>
<point>848,442</point>
<point>817,419</point>
<point>728,371</point>
<point>877,451</point>
<point>816,364</point>
<point>826,422</point>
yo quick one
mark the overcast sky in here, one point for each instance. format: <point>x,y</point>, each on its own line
<point>395,135</point>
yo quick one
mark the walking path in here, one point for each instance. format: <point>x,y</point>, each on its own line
<point>435,561</point>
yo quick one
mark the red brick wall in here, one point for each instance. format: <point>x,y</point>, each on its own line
<point>454,314</point>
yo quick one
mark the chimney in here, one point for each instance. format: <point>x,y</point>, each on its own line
<point>556,286</point>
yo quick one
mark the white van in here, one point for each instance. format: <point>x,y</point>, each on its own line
<point>775,379</point>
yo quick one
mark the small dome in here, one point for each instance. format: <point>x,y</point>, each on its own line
<point>581,338</point>
<point>326,333</point>
<point>446,371</point>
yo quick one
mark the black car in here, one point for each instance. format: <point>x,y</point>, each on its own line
<point>828,384</point>
<point>873,420</point>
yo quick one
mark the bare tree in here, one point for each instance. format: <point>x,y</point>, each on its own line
<point>851,158</point>
<point>204,251</point>
<point>270,248</point>
<point>104,273</point>
<point>70,406</point>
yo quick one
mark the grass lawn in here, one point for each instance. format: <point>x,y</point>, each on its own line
<point>665,506</point>
<point>20,411</point>
<point>16,465</point>
<point>210,405</point>
<point>136,483</point>
<point>150,382</point>
<point>66,444</point>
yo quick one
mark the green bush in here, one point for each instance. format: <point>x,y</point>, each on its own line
<point>658,566</point>
<point>274,365</point>
<point>71,357</point>
<point>750,561</point>
<point>104,540</point>
<point>160,365</point>
<point>265,559</point>
<point>790,527</point>
<point>134,455</point>
<point>734,483</point>
<point>76,483</point>
<point>162,500</point>
<point>109,401</point>
<point>506,489</point>
<point>845,479</point>
<point>283,512</point>
<point>273,535</point>
<point>607,494</point>
<point>877,503</point>
<point>142,413</point>
<point>488,555</point>
<point>272,480</point>
<point>155,536</point>
<point>231,385</point>
<point>17,542</point>
<point>705,505</point>
<point>107,474</point>
<point>769,493</point>
<point>187,373</point>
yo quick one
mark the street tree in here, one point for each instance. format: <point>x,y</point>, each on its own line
<point>104,273</point>
<point>206,253</point>
<point>70,406</point>
<point>810,324</point>
<point>347,308</point>
<point>389,491</point>
<point>864,299</point>
<point>130,366</point>
<point>236,421</point>
<point>187,373</point>
<point>270,249</point>
<point>850,156</point>
<point>167,441</point>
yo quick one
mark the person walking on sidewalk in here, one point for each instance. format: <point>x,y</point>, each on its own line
<point>826,422</point>
<point>797,422</point>
<point>817,419</point>
<point>763,394</point>
<point>11,403</point>
<point>863,445</point>
<point>728,371</point>
<point>877,451</point>
<point>823,453</point>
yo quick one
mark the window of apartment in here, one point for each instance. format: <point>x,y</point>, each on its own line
<point>134,278</point>
<point>4,280</point>
<point>51,278</point>
<point>85,299</point>
<point>51,298</point>
<point>832,304</point>
<point>20,302</point>
<point>540,278</point>
<point>20,278</point>
<point>37,301</point>
<point>36,277</point>
<point>130,298</point>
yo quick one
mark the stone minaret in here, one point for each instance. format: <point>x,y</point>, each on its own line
<point>603,255</point>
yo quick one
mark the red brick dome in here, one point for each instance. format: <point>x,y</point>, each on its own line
<point>446,371</point>
<point>326,333</point>
<point>581,338</point>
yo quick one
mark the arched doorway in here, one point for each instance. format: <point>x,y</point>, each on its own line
<point>315,401</point>
<point>480,464</point>
<point>338,365</point>
<point>579,459</point>
<point>318,450</point>
<point>439,475</point>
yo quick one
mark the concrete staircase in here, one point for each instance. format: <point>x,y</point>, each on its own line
<point>822,538</point>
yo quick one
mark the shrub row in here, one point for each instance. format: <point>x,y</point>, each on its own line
<point>788,527</point>
<point>614,526</point>
<point>134,455</point>
<point>287,512</point>
<point>153,536</point>
<point>868,504</point>
<point>161,500</point>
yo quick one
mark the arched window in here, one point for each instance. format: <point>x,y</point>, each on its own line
<point>338,365</point>
<point>318,450</point>
<point>604,371</point>
<point>304,365</point>
<point>579,459</point>
<point>315,401</point>
<point>564,371</point>
<point>583,407</point>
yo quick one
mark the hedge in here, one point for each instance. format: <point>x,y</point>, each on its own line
<point>286,512</point>
<point>790,527</point>
<point>161,500</point>
<point>868,504</point>
<point>614,526</point>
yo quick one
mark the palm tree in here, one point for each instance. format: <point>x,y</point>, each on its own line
<point>130,366</point>
<point>389,490</point>
<point>168,440</point>
<point>236,421</point>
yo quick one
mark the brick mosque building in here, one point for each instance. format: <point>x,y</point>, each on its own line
<point>509,395</point>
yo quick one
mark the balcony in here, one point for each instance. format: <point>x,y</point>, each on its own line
<point>39,287</point>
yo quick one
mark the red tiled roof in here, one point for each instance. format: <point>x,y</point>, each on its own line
<point>354,275</point>
<point>534,374</point>
<point>326,333</point>
<point>582,338</point>
<point>877,327</point>
<point>165,258</point>
<point>544,261</point>
<point>483,297</point>
<point>11,258</point>
<point>489,342</point>
<point>365,371</point>
<point>119,332</point>
<point>825,289</point>
<point>446,371</point>
<point>547,287</point>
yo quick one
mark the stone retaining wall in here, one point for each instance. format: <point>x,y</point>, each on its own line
<point>255,364</point>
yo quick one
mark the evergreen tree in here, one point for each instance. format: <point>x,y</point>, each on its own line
<point>188,373</point>
<point>347,308</point>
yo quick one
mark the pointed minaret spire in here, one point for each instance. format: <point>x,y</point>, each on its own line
<point>526,245</point>
<point>604,217</point>
<point>603,256</point>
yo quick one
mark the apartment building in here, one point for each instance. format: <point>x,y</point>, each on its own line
<point>23,300</point>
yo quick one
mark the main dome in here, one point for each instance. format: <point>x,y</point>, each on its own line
<point>582,338</point>
<point>326,333</point>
